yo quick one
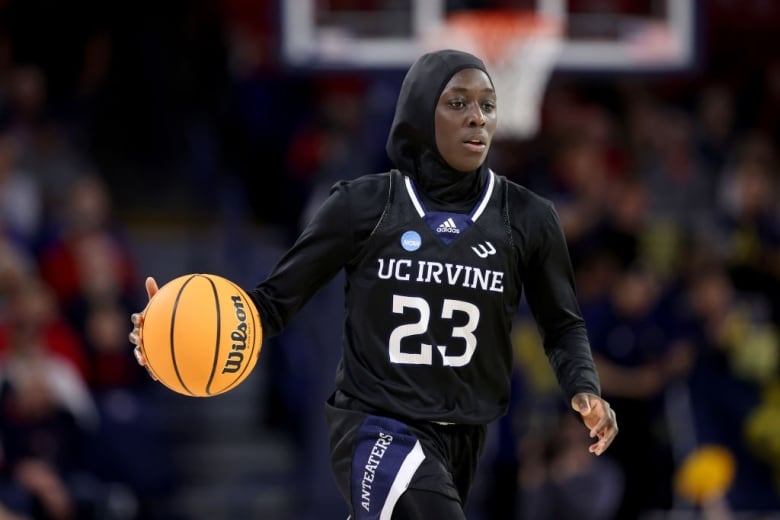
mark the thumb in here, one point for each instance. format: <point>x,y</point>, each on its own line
<point>151,286</point>
<point>581,403</point>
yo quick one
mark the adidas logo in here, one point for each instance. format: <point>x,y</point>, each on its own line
<point>448,226</point>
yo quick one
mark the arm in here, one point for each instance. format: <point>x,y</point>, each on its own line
<point>344,220</point>
<point>338,229</point>
<point>550,292</point>
<point>320,251</point>
<point>551,296</point>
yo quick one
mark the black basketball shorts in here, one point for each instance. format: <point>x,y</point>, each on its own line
<point>375,458</point>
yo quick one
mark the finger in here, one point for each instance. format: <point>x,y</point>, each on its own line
<point>606,436</point>
<point>151,286</point>
<point>134,338</point>
<point>597,448</point>
<point>606,421</point>
<point>139,356</point>
<point>136,318</point>
<point>601,426</point>
<point>602,444</point>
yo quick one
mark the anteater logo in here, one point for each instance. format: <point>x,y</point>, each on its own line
<point>238,337</point>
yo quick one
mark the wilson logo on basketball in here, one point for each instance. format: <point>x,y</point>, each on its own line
<point>238,336</point>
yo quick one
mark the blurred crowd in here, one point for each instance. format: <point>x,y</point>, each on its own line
<point>79,429</point>
<point>672,212</point>
<point>668,188</point>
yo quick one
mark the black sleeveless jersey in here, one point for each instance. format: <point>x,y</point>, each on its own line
<point>430,296</point>
<point>430,301</point>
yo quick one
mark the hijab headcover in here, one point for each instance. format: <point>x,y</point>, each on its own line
<point>411,144</point>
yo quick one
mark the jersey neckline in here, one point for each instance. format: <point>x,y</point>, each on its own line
<point>475,213</point>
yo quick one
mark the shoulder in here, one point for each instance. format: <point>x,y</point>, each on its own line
<point>532,217</point>
<point>366,186</point>
<point>360,201</point>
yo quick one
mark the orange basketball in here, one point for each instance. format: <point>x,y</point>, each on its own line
<point>201,335</point>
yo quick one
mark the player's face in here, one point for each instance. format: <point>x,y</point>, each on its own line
<point>466,119</point>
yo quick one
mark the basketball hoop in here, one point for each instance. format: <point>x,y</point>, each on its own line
<point>519,49</point>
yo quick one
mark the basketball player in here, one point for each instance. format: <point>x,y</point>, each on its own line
<point>436,253</point>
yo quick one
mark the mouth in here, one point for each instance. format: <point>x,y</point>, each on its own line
<point>475,144</point>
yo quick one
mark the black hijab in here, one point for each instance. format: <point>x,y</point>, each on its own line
<point>411,144</point>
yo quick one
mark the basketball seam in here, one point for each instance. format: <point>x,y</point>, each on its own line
<point>172,335</point>
<point>218,338</point>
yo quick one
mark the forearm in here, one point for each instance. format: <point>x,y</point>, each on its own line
<point>572,361</point>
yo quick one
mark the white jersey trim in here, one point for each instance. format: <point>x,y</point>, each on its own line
<point>485,198</point>
<point>474,214</point>
<point>413,196</point>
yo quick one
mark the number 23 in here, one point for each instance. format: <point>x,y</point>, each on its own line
<point>425,355</point>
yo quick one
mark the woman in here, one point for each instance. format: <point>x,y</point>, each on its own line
<point>436,254</point>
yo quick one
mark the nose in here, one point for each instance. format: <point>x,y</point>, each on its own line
<point>476,117</point>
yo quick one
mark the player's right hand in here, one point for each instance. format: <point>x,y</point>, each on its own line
<point>137,318</point>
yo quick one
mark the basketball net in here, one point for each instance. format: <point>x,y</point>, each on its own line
<point>519,49</point>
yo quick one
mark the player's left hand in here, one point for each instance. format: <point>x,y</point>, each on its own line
<point>599,417</point>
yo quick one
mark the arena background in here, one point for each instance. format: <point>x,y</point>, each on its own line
<point>161,138</point>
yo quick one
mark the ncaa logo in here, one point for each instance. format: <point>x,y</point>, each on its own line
<point>411,241</point>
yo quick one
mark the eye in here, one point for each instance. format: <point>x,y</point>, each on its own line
<point>489,105</point>
<point>456,103</point>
